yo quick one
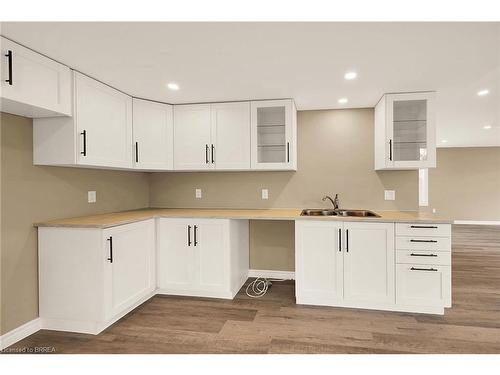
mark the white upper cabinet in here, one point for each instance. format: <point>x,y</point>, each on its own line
<point>98,135</point>
<point>231,135</point>
<point>274,135</point>
<point>33,85</point>
<point>153,135</point>
<point>192,138</point>
<point>405,131</point>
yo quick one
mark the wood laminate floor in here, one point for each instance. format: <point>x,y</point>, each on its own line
<point>274,324</point>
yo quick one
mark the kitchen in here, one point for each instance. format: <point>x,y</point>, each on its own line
<point>125,202</point>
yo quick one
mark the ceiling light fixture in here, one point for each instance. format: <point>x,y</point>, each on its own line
<point>343,100</point>
<point>487,127</point>
<point>483,92</point>
<point>444,141</point>
<point>173,86</point>
<point>350,75</point>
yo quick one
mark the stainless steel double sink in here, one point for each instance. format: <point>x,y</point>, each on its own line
<point>338,212</point>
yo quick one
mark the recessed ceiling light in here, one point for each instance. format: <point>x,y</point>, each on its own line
<point>444,141</point>
<point>483,92</point>
<point>350,75</point>
<point>343,100</point>
<point>487,127</point>
<point>173,86</point>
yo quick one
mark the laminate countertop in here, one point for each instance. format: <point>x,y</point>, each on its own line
<point>126,217</point>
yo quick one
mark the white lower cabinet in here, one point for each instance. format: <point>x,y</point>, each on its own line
<point>354,264</point>
<point>89,278</point>
<point>202,257</point>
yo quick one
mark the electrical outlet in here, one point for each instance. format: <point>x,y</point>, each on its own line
<point>434,210</point>
<point>91,196</point>
<point>265,194</point>
<point>198,193</point>
<point>390,195</point>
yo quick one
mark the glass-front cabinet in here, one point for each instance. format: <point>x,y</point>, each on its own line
<point>274,134</point>
<point>405,131</point>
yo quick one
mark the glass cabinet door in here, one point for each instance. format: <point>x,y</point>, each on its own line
<point>271,135</point>
<point>409,130</point>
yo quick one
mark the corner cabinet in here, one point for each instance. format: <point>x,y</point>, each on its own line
<point>153,135</point>
<point>32,85</point>
<point>274,135</point>
<point>202,257</point>
<point>98,135</point>
<point>405,131</point>
<point>89,278</point>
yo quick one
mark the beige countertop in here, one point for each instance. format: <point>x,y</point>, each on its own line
<point>125,217</point>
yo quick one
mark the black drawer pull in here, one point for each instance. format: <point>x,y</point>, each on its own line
<point>110,239</point>
<point>423,255</point>
<point>347,240</point>
<point>9,57</point>
<point>84,152</point>
<point>206,154</point>
<point>137,152</point>
<point>213,150</point>
<point>189,235</point>
<point>424,226</point>
<point>340,239</point>
<point>426,241</point>
<point>422,269</point>
<point>390,149</point>
<point>195,233</point>
<point>288,152</point>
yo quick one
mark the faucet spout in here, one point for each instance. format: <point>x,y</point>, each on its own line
<point>335,201</point>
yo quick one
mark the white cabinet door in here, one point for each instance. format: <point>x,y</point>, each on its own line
<point>33,85</point>
<point>423,285</point>
<point>212,253</point>
<point>192,138</point>
<point>369,262</point>
<point>274,135</point>
<point>130,255</point>
<point>104,124</point>
<point>231,135</point>
<point>153,135</point>
<point>176,254</point>
<point>318,261</point>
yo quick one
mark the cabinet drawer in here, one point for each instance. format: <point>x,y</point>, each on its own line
<point>423,243</point>
<point>415,229</point>
<point>423,257</point>
<point>423,285</point>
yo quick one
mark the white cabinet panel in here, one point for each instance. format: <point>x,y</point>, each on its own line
<point>153,135</point>
<point>274,135</point>
<point>369,262</point>
<point>318,261</point>
<point>422,285</point>
<point>192,138</point>
<point>423,257</point>
<point>231,135</point>
<point>104,124</point>
<point>418,229</point>
<point>423,243</point>
<point>33,85</point>
<point>131,250</point>
<point>211,238</point>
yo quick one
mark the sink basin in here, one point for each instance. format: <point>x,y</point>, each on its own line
<point>345,213</point>
<point>356,213</point>
<point>318,212</point>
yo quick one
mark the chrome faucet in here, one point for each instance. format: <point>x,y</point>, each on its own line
<point>334,201</point>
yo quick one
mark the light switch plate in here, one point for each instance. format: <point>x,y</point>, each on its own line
<point>390,195</point>
<point>198,193</point>
<point>265,194</point>
<point>91,196</point>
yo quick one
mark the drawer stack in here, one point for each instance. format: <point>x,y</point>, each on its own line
<point>423,264</point>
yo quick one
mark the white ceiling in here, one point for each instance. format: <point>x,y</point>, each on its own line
<point>305,61</point>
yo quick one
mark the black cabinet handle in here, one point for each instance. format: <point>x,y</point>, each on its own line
<point>427,241</point>
<point>390,149</point>
<point>137,152</point>
<point>347,240</point>
<point>424,226</point>
<point>423,255</point>
<point>9,57</point>
<point>422,269</point>
<point>288,152</point>
<point>195,233</point>
<point>340,239</point>
<point>213,149</point>
<point>110,239</point>
<point>206,154</point>
<point>84,152</point>
<point>189,235</point>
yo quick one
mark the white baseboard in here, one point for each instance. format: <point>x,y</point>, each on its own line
<point>479,222</point>
<point>19,333</point>
<point>271,274</point>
